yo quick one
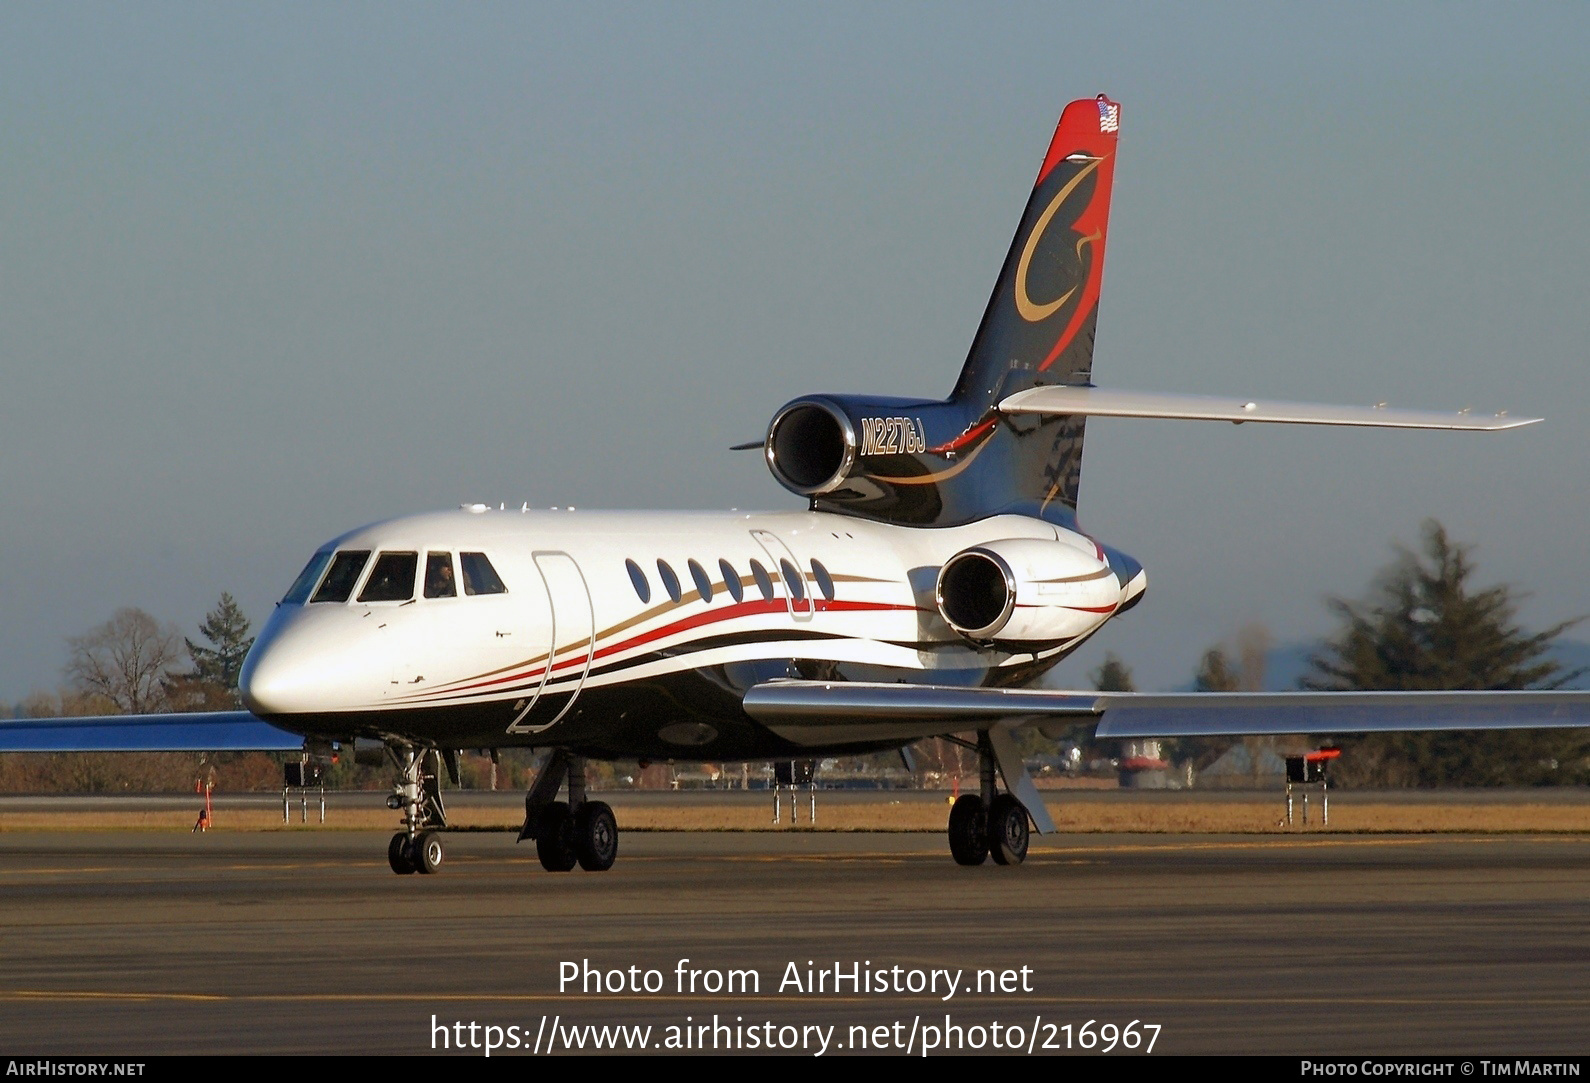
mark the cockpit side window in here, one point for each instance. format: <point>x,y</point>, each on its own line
<point>439,582</point>
<point>298,593</point>
<point>344,573</point>
<point>392,578</point>
<point>479,576</point>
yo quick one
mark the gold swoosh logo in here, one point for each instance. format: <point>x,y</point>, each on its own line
<point>1030,311</point>
<point>932,479</point>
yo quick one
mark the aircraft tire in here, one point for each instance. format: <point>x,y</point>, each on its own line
<point>427,853</point>
<point>555,838</point>
<point>968,830</point>
<point>1007,830</point>
<point>397,854</point>
<point>596,836</point>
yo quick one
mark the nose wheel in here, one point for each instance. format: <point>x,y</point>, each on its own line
<point>422,853</point>
<point>397,855</point>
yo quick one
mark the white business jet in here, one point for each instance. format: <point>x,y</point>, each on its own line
<point>937,574</point>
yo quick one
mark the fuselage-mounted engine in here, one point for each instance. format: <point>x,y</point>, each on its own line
<point>811,447</point>
<point>1027,593</point>
<point>877,457</point>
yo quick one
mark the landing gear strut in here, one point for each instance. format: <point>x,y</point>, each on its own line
<point>989,823</point>
<point>573,832</point>
<point>418,793</point>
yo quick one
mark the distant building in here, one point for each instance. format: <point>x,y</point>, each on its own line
<point>1143,766</point>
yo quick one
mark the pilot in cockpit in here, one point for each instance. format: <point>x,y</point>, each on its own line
<point>439,576</point>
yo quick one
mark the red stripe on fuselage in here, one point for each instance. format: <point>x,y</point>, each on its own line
<point>741,609</point>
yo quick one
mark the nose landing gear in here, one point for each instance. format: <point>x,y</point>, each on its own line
<point>418,793</point>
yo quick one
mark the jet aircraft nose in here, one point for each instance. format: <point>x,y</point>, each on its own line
<point>278,678</point>
<point>304,663</point>
<point>270,683</point>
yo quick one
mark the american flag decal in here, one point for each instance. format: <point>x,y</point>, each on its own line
<point>1109,116</point>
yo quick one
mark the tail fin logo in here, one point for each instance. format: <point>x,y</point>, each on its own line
<point>1109,115</point>
<point>1038,326</point>
<point>1030,310</point>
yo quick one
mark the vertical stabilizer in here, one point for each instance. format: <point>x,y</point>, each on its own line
<point>1039,324</point>
<point>959,460</point>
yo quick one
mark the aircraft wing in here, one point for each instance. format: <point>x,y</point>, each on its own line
<point>1104,402</point>
<point>1208,714</point>
<point>209,731</point>
<point>825,713</point>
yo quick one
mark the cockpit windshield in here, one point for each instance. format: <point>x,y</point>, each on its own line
<point>298,593</point>
<point>479,576</point>
<point>392,579</point>
<point>439,576</point>
<point>342,577</point>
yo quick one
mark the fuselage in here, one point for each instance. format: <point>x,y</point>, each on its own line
<point>630,635</point>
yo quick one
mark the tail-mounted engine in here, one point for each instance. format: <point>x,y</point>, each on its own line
<point>811,446</point>
<point>1026,593</point>
<point>877,457</point>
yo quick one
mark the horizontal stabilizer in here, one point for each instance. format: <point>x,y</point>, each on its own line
<point>212,731</point>
<point>821,713</point>
<point>1101,402</point>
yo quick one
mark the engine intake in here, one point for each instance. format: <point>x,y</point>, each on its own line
<point>811,447</point>
<point>1026,592</point>
<point>976,593</point>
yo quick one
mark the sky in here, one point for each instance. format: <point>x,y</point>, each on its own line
<point>269,272</point>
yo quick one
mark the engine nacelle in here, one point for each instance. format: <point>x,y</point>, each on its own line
<point>811,446</point>
<point>854,455</point>
<point>1026,592</point>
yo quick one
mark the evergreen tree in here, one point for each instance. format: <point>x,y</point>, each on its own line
<point>1215,673</point>
<point>226,629</point>
<point>1113,675</point>
<point>1426,627</point>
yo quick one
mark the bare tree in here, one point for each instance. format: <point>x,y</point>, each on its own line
<point>126,660</point>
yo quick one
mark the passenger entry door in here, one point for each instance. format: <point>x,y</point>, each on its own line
<point>571,643</point>
<point>787,570</point>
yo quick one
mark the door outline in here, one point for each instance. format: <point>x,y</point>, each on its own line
<point>775,549</point>
<point>553,607</point>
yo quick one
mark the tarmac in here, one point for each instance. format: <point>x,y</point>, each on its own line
<point>127,943</point>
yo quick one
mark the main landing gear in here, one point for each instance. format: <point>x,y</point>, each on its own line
<point>418,793</point>
<point>573,832</point>
<point>989,823</point>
